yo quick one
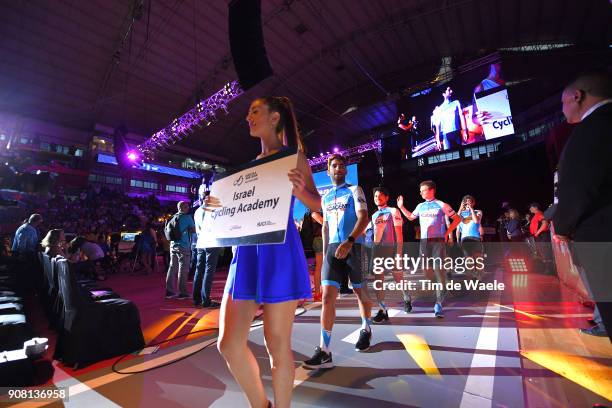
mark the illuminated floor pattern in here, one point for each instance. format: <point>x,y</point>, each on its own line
<point>489,353</point>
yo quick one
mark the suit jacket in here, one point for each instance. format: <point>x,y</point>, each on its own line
<point>584,188</point>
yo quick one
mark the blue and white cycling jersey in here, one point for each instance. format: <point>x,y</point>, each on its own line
<point>384,222</point>
<point>340,206</point>
<point>469,228</point>
<point>431,218</point>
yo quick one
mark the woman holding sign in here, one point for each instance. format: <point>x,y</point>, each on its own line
<point>273,275</point>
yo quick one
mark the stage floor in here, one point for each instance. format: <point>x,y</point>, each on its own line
<point>488,351</point>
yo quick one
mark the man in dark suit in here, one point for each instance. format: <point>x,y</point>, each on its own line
<point>584,211</point>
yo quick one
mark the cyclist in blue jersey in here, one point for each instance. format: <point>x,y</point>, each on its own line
<point>470,231</point>
<point>345,218</point>
<point>434,233</point>
<point>387,243</point>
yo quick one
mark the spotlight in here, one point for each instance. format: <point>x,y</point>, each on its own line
<point>336,150</point>
<point>132,155</point>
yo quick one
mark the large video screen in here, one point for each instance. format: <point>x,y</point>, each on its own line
<point>324,184</point>
<point>473,107</point>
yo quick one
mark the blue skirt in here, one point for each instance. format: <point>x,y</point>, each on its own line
<point>271,273</point>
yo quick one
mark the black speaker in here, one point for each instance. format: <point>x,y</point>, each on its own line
<point>391,150</point>
<point>247,42</point>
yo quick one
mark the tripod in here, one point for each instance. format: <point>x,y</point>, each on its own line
<point>135,260</point>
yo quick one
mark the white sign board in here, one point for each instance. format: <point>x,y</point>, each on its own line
<point>255,204</point>
<point>499,117</point>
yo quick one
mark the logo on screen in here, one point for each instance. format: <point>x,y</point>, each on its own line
<point>239,181</point>
<point>499,124</point>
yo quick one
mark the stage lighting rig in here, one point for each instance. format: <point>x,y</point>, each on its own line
<point>203,114</point>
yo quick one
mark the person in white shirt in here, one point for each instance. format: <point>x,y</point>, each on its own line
<point>206,263</point>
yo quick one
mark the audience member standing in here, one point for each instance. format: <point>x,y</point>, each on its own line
<point>206,263</point>
<point>180,252</point>
<point>539,233</point>
<point>538,225</point>
<point>585,189</point>
<point>26,237</point>
<point>25,245</point>
<point>148,245</point>
<point>512,225</point>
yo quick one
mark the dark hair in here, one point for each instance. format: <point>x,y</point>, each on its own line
<point>34,218</point>
<point>333,157</point>
<point>381,189</point>
<point>76,244</point>
<point>428,183</point>
<point>596,82</point>
<point>536,205</point>
<point>287,121</point>
<point>464,201</point>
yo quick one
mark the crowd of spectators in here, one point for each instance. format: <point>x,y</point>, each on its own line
<point>101,210</point>
<point>85,227</point>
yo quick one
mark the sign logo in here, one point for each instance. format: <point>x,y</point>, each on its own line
<point>239,181</point>
<point>252,176</point>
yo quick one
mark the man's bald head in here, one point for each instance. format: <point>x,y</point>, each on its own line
<point>595,83</point>
<point>183,207</point>
<point>585,91</point>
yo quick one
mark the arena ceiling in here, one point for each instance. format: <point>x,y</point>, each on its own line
<point>70,61</point>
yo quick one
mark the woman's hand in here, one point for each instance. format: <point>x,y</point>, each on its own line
<point>211,203</point>
<point>298,180</point>
<point>484,117</point>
